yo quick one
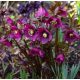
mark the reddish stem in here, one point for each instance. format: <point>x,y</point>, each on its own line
<point>56,42</point>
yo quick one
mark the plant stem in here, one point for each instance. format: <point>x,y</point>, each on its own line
<point>7,3</point>
<point>56,42</point>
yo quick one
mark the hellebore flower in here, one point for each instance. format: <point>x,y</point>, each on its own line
<point>49,20</point>
<point>30,32</point>
<point>59,58</point>
<point>36,51</point>
<point>71,36</point>
<point>62,12</point>
<point>22,20</point>
<point>41,12</point>
<point>5,42</point>
<point>44,36</point>
<point>57,23</point>
<point>10,21</point>
<point>15,33</point>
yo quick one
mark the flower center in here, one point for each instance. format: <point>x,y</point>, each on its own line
<point>31,32</point>
<point>45,35</point>
<point>54,22</point>
<point>16,31</point>
<point>71,35</point>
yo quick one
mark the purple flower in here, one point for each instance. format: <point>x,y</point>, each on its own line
<point>5,42</point>
<point>62,12</point>
<point>36,51</point>
<point>30,32</point>
<point>57,23</point>
<point>44,36</point>
<point>10,21</point>
<point>41,12</point>
<point>50,20</point>
<point>36,4</point>
<point>71,35</point>
<point>21,8</point>
<point>22,20</point>
<point>59,58</point>
<point>15,33</point>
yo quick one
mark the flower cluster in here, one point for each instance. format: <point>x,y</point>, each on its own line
<point>41,30</point>
<point>42,35</point>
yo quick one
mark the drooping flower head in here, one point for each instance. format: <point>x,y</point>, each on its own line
<point>44,36</point>
<point>36,51</point>
<point>60,58</point>
<point>61,12</point>
<point>5,42</point>
<point>30,32</point>
<point>71,36</point>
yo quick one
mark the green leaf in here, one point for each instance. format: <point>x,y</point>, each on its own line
<point>12,17</point>
<point>78,11</point>
<point>64,71</point>
<point>53,70</point>
<point>60,36</point>
<point>23,74</point>
<point>9,76</point>
<point>53,53</point>
<point>4,66</point>
<point>74,71</point>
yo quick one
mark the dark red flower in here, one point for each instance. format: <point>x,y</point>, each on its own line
<point>5,42</point>
<point>44,36</point>
<point>30,32</point>
<point>36,51</point>
<point>60,58</point>
<point>71,35</point>
<point>62,12</point>
<point>10,21</point>
<point>15,33</point>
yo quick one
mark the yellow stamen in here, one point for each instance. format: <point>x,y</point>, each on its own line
<point>71,35</point>
<point>31,32</point>
<point>54,22</point>
<point>44,35</point>
<point>15,31</point>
